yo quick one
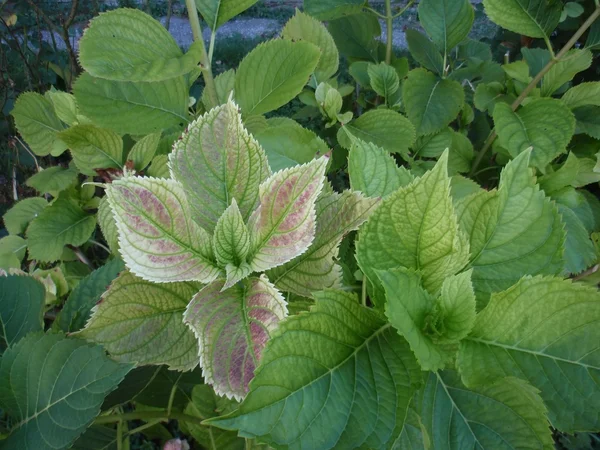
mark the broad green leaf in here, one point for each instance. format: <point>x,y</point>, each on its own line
<point>593,39</point>
<point>205,404</point>
<point>283,225</point>
<point>17,218</point>
<point>431,103</point>
<point>544,330</point>
<point>415,227</point>
<point>231,240</point>
<point>584,94</point>
<point>330,103</point>
<point>507,414</point>
<point>12,252</point>
<point>216,12</point>
<point>413,435</point>
<point>217,160</point>
<point>53,388</point>
<point>433,145</point>
<point>448,22</point>
<point>384,80</point>
<point>38,123</point>
<point>108,225</point>
<point>338,376</point>
<point>288,144</point>
<point>233,326</point>
<point>21,308</point>
<point>134,108</point>
<point>513,231</point>
<point>461,187</point>
<point>304,27</point>
<point>588,121</point>
<point>141,322</point>
<point>374,172</point>
<point>129,45</point>
<point>545,124</point>
<point>93,148</point>
<point>332,9</point>
<point>424,51</point>
<point>224,84</point>
<point>461,154</point>
<point>579,249</point>
<point>273,74</point>
<point>62,223</point>
<point>471,49</point>
<point>316,269</point>
<point>358,70</point>
<point>159,241</point>
<point>563,177</point>
<point>356,35</point>
<point>533,18</point>
<point>159,167</point>
<point>383,127</point>
<point>52,180</point>
<point>97,437</point>
<point>456,308</point>
<point>76,310</point>
<point>143,151</point>
<point>487,95</point>
<point>64,106</point>
<point>574,61</point>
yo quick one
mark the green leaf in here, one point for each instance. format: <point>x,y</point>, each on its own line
<point>217,160</point>
<point>588,121</point>
<point>575,61</point>
<point>17,218</point>
<point>593,39</point>
<point>158,239</point>
<point>316,269</point>
<point>448,22</point>
<point>426,239</point>
<point>115,46</point>
<point>159,167</point>
<point>12,252</point>
<point>533,18</point>
<point>487,95</point>
<point>216,12</point>
<point>54,387</point>
<point>383,79</point>
<point>424,51</point>
<point>52,180</point>
<point>433,145</point>
<point>332,9</point>
<point>231,240</point>
<point>38,123</point>
<point>21,308</point>
<point>283,225</point>
<point>233,326</point>
<point>224,84</point>
<point>513,231</point>
<point>506,414</point>
<point>143,151</point>
<point>383,127</point>
<point>562,178</point>
<point>355,35</point>
<point>273,74</point>
<point>287,144</point>
<point>545,124</point>
<point>584,94</point>
<point>431,103</point>
<point>303,27</point>
<point>108,225</point>
<point>64,106</point>
<point>93,148</point>
<point>134,108</point>
<point>544,330</point>
<point>413,435</point>
<point>338,376</point>
<point>579,249</point>
<point>374,172</point>
<point>461,154</point>
<point>76,310</point>
<point>62,223</point>
<point>141,322</point>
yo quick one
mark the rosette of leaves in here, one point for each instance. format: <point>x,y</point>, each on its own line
<point>222,236</point>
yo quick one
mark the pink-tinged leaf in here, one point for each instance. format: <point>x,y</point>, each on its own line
<point>217,160</point>
<point>315,270</point>
<point>158,239</point>
<point>283,226</point>
<point>233,327</point>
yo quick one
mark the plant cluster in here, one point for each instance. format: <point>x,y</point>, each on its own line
<point>417,270</point>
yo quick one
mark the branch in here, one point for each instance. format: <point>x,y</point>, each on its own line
<point>147,416</point>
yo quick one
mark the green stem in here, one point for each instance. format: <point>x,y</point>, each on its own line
<point>146,416</point>
<point>120,435</point>
<point>142,427</point>
<point>389,30</point>
<point>172,396</point>
<point>533,84</point>
<point>211,46</point>
<point>403,10</point>
<point>209,81</point>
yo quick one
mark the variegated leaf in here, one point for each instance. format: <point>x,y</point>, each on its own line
<point>283,226</point>
<point>158,239</point>
<point>315,270</point>
<point>217,160</point>
<point>233,327</point>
